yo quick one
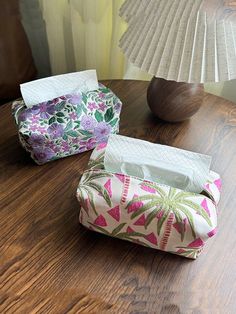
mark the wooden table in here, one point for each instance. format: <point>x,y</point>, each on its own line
<point>51,264</point>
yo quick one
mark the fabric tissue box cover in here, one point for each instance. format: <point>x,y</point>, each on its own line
<point>68,124</point>
<point>147,213</point>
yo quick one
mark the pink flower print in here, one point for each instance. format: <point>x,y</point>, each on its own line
<point>212,233</point>
<point>100,221</point>
<point>107,186</point>
<point>102,106</point>
<point>147,188</point>
<point>56,149</point>
<point>90,143</point>
<point>151,238</point>
<point>101,145</point>
<point>42,130</point>
<point>33,127</point>
<point>74,140</point>
<point>92,105</point>
<point>63,97</point>
<point>134,205</point>
<point>73,115</point>
<point>205,206</point>
<point>34,119</point>
<point>218,183</point>
<point>101,95</point>
<point>196,243</point>
<point>65,146</point>
<point>141,221</point>
<point>115,212</point>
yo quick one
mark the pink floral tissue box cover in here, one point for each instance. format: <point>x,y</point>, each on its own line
<point>68,124</point>
<point>147,213</point>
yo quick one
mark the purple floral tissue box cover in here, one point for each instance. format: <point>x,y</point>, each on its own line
<point>67,125</point>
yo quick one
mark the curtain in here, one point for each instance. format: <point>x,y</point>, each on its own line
<point>84,34</point>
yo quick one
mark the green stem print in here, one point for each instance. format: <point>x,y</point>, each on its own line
<point>129,236</point>
<point>97,163</point>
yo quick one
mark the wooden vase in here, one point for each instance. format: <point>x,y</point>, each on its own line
<point>174,101</point>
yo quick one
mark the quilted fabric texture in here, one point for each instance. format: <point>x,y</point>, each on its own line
<point>67,125</point>
<point>147,213</point>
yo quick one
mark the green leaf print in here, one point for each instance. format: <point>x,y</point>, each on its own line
<point>60,105</point>
<point>113,122</point>
<point>51,120</point>
<point>118,229</point>
<point>72,133</point>
<point>98,116</point>
<point>174,202</point>
<point>109,114</point>
<point>68,126</point>
<point>100,190</point>
<point>60,120</point>
<point>60,114</point>
<point>86,133</point>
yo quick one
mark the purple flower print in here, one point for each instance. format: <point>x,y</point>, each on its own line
<point>88,122</point>
<point>92,105</point>
<point>36,140</point>
<point>117,107</point>
<point>88,144</point>
<point>43,154</point>
<point>24,115</point>
<point>56,130</point>
<point>91,143</point>
<point>46,110</point>
<point>75,99</point>
<point>102,106</point>
<point>101,131</point>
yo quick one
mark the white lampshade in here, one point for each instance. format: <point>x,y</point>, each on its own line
<point>182,40</point>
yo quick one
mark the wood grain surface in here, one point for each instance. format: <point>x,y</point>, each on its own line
<point>221,10</point>
<point>51,264</point>
<point>174,101</point>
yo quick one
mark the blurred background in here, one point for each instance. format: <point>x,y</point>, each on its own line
<point>39,38</point>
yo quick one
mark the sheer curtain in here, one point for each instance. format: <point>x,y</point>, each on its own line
<point>84,34</point>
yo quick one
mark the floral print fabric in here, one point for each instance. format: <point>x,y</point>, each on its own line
<point>67,125</point>
<point>147,213</point>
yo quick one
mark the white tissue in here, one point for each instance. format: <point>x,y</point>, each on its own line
<point>48,88</point>
<point>175,167</point>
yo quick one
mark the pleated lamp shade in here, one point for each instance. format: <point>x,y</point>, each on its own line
<point>190,41</point>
